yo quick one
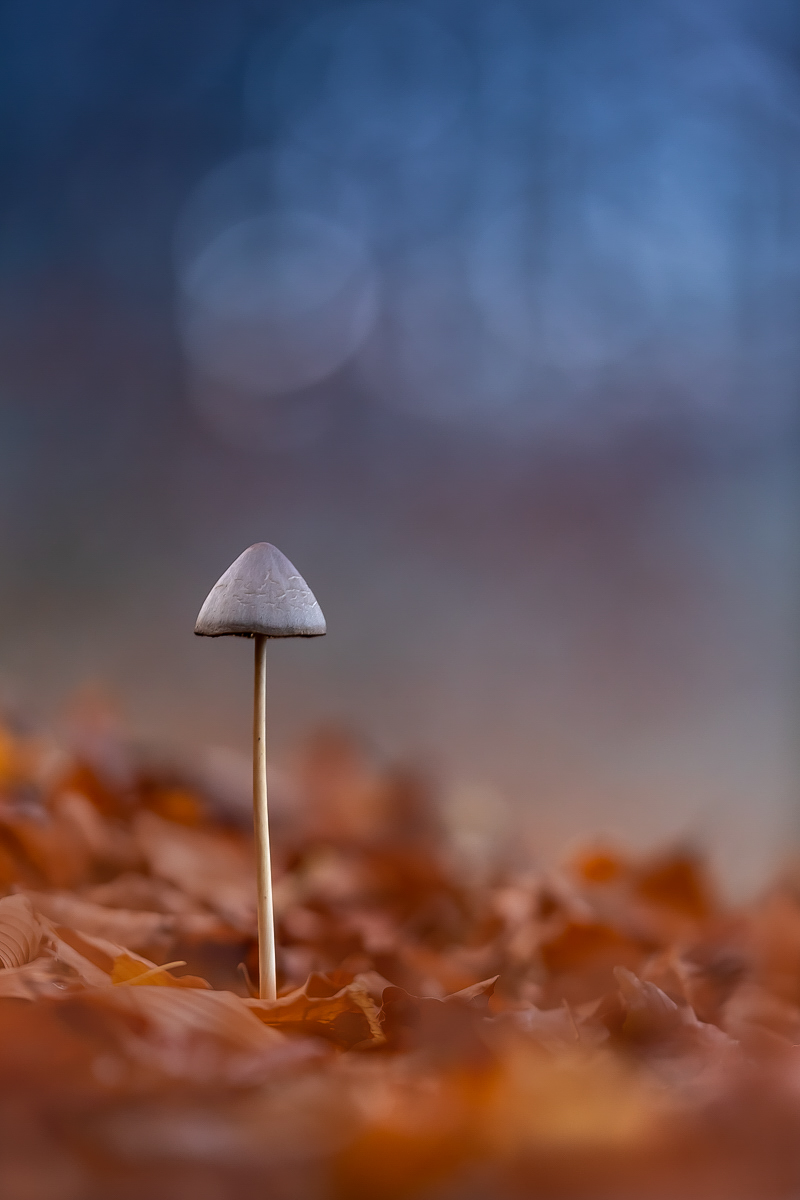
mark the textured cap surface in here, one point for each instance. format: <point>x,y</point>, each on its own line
<point>261,593</point>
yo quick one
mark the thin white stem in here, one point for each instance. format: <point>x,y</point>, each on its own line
<point>267,982</point>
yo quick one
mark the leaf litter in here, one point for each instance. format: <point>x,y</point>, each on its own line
<point>611,1030</point>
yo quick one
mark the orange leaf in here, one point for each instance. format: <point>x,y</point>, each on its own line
<point>348,1017</point>
<point>134,972</point>
<point>677,883</point>
<point>599,865</point>
<point>586,944</point>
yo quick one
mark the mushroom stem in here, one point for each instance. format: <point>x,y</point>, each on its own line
<point>267,982</point>
<point>261,595</point>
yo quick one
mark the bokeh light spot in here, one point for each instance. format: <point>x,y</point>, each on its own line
<point>362,80</point>
<point>277,302</point>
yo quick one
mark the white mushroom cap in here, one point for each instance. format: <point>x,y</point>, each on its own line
<point>261,593</point>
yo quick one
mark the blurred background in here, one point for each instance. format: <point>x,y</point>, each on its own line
<point>486,314</point>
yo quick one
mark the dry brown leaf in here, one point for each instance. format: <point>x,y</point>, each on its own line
<point>580,960</point>
<point>573,1080</point>
<point>347,1016</point>
<point>584,945</point>
<point>40,977</point>
<point>216,868</point>
<point>650,1014</point>
<point>678,883</point>
<point>138,930</point>
<point>204,1036</point>
<point>49,845</point>
<point>178,1012</point>
<point>79,956</point>
<point>475,994</point>
<point>555,1028</point>
<point>20,931</point>
<point>108,841</point>
<point>141,893</point>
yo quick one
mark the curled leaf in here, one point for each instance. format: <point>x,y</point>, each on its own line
<point>348,1017</point>
<point>20,931</point>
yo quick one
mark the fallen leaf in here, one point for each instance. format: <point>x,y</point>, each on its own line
<point>384,1071</point>
<point>140,930</point>
<point>48,844</point>
<point>347,1016</point>
<point>134,972</point>
<point>20,931</point>
<point>677,883</point>
<point>109,842</point>
<point>141,893</point>
<point>204,1036</point>
<point>214,867</point>
<point>650,1014</point>
<point>47,976</point>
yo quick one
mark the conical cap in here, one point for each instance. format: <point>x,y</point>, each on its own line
<point>261,593</point>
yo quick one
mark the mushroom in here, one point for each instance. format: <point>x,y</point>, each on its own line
<point>261,596</point>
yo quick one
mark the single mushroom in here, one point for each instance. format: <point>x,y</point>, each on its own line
<point>261,596</point>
